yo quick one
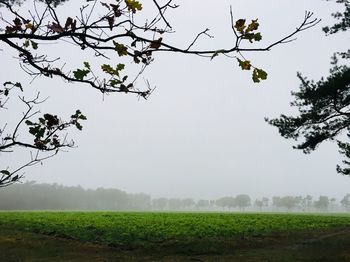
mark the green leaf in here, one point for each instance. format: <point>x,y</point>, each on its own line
<point>257,37</point>
<point>120,67</point>
<point>29,123</point>
<point>133,5</point>
<point>42,120</point>
<point>26,43</point>
<point>78,115</point>
<point>80,74</point>
<point>115,82</point>
<point>252,37</point>
<point>34,45</point>
<point>258,75</point>
<point>87,65</point>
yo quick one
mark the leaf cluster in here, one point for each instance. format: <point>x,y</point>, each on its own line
<point>247,31</point>
<point>46,128</point>
<point>258,74</point>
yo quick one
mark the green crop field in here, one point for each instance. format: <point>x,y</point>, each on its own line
<point>175,233</point>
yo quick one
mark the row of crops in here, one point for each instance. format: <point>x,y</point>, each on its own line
<point>147,229</point>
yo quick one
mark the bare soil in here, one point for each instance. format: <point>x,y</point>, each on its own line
<point>331,245</point>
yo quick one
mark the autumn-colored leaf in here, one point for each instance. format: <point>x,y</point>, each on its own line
<point>30,26</point>
<point>254,25</point>
<point>245,65</point>
<point>240,25</point>
<point>107,69</point>
<point>156,44</point>
<point>133,5</point>
<point>56,28</point>
<point>110,70</point>
<point>9,30</point>
<point>69,21</point>
<point>120,48</point>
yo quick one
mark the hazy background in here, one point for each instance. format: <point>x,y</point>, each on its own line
<point>202,133</point>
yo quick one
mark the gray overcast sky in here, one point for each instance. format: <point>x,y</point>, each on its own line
<point>202,132</point>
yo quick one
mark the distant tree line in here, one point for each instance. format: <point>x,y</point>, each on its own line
<point>33,196</point>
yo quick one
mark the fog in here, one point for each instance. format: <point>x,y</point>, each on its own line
<point>202,133</point>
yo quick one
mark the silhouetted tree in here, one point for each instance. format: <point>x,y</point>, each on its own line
<point>32,196</point>
<point>242,201</point>
<point>306,203</point>
<point>264,202</point>
<point>323,105</point>
<point>322,203</point>
<point>226,202</point>
<point>289,202</point>
<point>140,201</point>
<point>345,202</point>
<point>276,201</point>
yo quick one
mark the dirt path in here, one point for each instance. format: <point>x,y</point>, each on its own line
<point>319,246</point>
